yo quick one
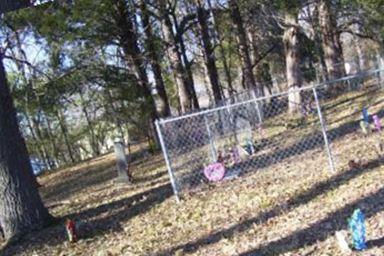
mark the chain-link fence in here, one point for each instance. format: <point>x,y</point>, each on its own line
<point>253,135</point>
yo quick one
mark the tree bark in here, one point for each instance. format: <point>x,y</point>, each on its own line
<point>33,122</point>
<point>264,76</point>
<point>209,53</point>
<point>359,43</point>
<point>46,157</point>
<point>34,138</point>
<point>154,59</point>
<point>63,127</point>
<point>52,139</point>
<point>314,20</point>
<point>218,42</point>
<point>92,137</point>
<point>21,208</point>
<point>292,59</point>
<point>185,86</point>
<point>7,6</point>
<point>249,78</point>
<point>129,43</point>
<point>187,64</point>
<point>331,41</point>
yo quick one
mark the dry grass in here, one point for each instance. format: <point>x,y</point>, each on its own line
<point>290,208</point>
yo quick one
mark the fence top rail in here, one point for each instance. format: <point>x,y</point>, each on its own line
<point>236,104</point>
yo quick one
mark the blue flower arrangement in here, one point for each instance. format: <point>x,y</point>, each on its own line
<point>357,226</point>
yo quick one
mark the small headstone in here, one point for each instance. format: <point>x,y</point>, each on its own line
<point>121,162</point>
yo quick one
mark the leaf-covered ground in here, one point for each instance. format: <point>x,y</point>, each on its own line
<point>290,208</point>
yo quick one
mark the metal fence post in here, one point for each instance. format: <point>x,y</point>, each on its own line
<point>211,142</point>
<point>380,66</point>
<point>167,162</point>
<point>257,106</point>
<point>324,130</point>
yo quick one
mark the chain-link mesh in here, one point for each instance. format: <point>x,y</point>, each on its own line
<point>349,108</point>
<point>304,127</point>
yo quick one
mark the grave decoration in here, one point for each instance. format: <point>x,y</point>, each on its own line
<point>223,156</point>
<point>226,166</point>
<point>364,127</point>
<point>357,226</point>
<point>365,115</point>
<point>235,155</point>
<point>249,148</point>
<point>214,172</point>
<point>232,168</point>
<point>307,108</point>
<point>342,242</point>
<point>261,130</point>
<point>70,227</point>
<point>376,121</point>
<point>220,157</point>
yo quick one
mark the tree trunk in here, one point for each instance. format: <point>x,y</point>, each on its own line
<point>223,56</point>
<point>154,59</point>
<point>314,20</point>
<point>359,43</point>
<point>34,138</point>
<point>209,53</point>
<point>52,139</point>
<point>261,72</point>
<point>21,208</point>
<point>129,42</point>
<point>64,131</point>
<point>331,41</point>
<point>41,153</point>
<point>112,111</point>
<point>40,137</point>
<point>264,76</point>
<point>292,59</point>
<point>185,87</point>
<point>249,78</point>
<point>92,137</point>
<point>8,6</point>
<point>189,76</point>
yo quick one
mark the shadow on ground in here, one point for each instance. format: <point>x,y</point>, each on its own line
<point>92,175</point>
<point>106,218</point>
<point>306,236</point>
<point>95,221</point>
<point>324,228</point>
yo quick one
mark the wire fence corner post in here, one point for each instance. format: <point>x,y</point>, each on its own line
<point>257,104</point>
<point>167,161</point>
<point>380,66</point>
<point>324,131</point>
<point>211,140</point>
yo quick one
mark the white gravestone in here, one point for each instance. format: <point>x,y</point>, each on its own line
<point>121,162</point>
